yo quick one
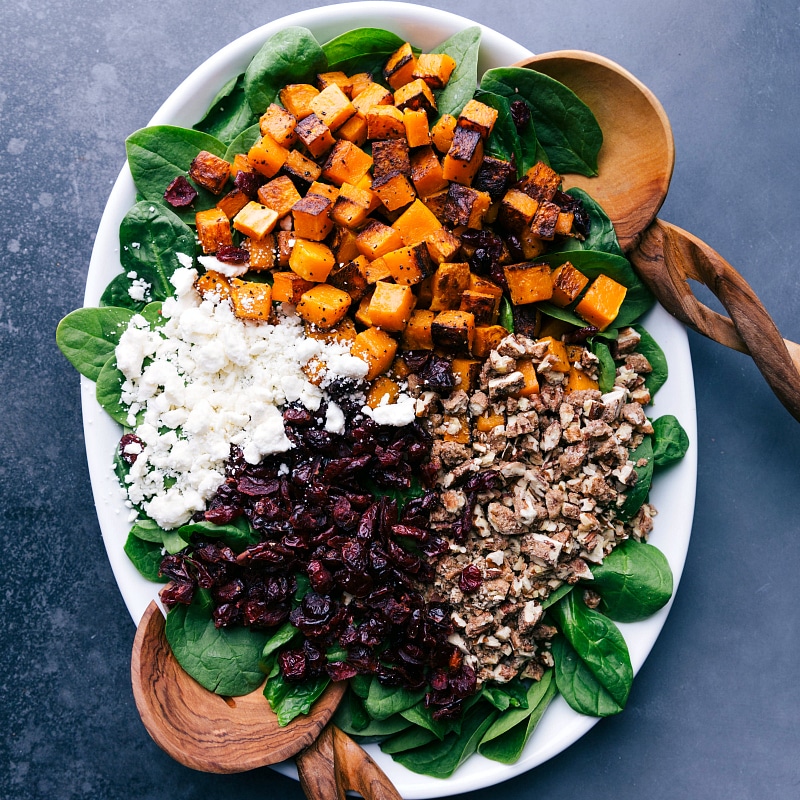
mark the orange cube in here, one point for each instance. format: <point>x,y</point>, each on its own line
<point>212,283</point>
<point>435,69</point>
<point>466,371</point>
<point>415,95</point>
<point>289,287</point>
<point>417,334</point>
<point>315,135</point>
<point>377,349</point>
<point>487,337</point>
<point>478,117</point>
<point>525,366</point>
<point>453,330</point>
<point>332,106</point>
<point>312,217</point>
<point>267,156</point>
<point>279,195</point>
<point>416,128</point>
<point>323,305</point>
<point>278,123</point>
<point>354,130</point>
<point>378,239</point>
<point>346,163</point>
<point>391,306</point>
<point>528,283</point>
<point>251,300</point>
<point>409,265</point>
<point>372,95</point>
<point>602,302</point>
<point>416,223</point>
<point>214,229</point>
<point>557,354</point>
<point>464,156</point>
<point>311,260</point>
<point>568,283</point>
<point>255,220</point>
<point>297,97</point>
<point>262,252</point>
<point>400,67</point>
<point>383,390</point>
<point>443,131</point>
<point>385,122</point>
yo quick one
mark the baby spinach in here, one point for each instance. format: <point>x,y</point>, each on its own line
<point>157,155</point>
<point>173,541</point>
<point>463,47</point>
<point>507,736</point>
<point>237,535</point>
<point>644,478</point>
<point>361,50</point>
<point>409,739</point>
<point>292,55</point>
<point>291,699</point>
<point>229,113</point>
<point>505,317</point>
<point>88,336</point>
<point>146,557</point>
<point>649,348</point>
<point>422,717</point>
<point>351,716</point>
<point>504,142</point>
<point>152,313</point>
<point>602,235</point>
<point>607,370</point>
<point>108,391</point>
<point>556,595</point>
<point>565,125</point>
<point>634,581</point>
<point>150,239</point>
<point>117,294</point>
<point>243,142</point>
<point>670,441</point>
<point>502,696</point>
<point>383,701</point>
<point>377,729</point>
<point>223,660</point>
<point>599,644</point>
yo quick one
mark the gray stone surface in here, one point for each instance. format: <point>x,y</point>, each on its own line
<point>714,712</point>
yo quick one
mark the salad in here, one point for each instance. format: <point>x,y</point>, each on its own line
<point>382,387</point>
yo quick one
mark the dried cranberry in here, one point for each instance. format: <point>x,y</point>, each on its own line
<point>293,665</point>
<point>580,335</point>
<point>131,443</point>
<point>229,254</point>
<point>520,113</point>
<point>180,193</point>
<point>248,182</point>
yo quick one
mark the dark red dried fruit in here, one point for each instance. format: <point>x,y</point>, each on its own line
<point>580,335</point>
<point>248,182</point>
<point>229,254</point>
<point>470,579</point>
<point>180,193</point>
<point>520,113</point>
<point>127,440</point>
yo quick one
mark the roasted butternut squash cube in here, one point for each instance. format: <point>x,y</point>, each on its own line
<point>312,217</point>
<point>528,283</point>
<point>517,211</point>
<point>410,264</point>
<point>354,130</point>
<point>372,95</point>
<point>324,190</point>
<point>466,206</point>
<point>296,99</point>
<point>395,191</point>
<point>442,245</point>
<point>426,172</point>
<point>399,69</point>
<point>456,429</point>
<point>289,287</point>
<point>417,334</point>
<point>338,77</point>
<point>477,283</point>
<point>311,260</point>
<point>362,312</point>
<point>233,202</point>
<point>453,330</point>
<point>464,156</point>
<point>315,135</point>
<point>303,171</point>
<point>377,270</point>
<point>344,332</point>
<point>528,321</point>
<point>494,176</point>
<point>213,283</point>
<point>487,421</point>
<point>602,302</point>
<point>449,282</point>
<point>435,202</point>
<point>477,116</point>
<point>391,156</point>
<point>210,171</point>
<point>323,305</point>
<point>377,349</point>
<point>343,244</point>
<point>251,300</point>
<point>435,69</point>
<point>385,122</point>
<point>391,306</point>
<point>532,246</point>
<point>359,82</point>
<point>424,292</point>
<point>556,328</point>
<point>365,184</point>
<point>545,219</point>
<point>487,337</point>
<point>442,132</point>
<point>279,194</point>
<point>261,251</point>
<point>556,355</point>
<point>351,277</point>
<point>568,283</point>
<point>378,239</point>
<point>466,372</point>
<point>564,223</point>
<point>484,307</point>
<point>384,391</point>
<point>346,163</point>
<point>266,156</point>
<point>417,132</point>
<point>240,164</point>
<point>285,241</point>
<point>541,182</point>
<point>352,206</point>
<point>415,95</point>
<point>531,386</point>
<point>332,106</point>
<point>416,222</point>
<point>213,229</point>
<point>578,380</point>
<point>279,123</point>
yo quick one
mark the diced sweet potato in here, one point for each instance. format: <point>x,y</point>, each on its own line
<point>240,164</point>
<point>233,202</point>
<point>541,182</point>
<point>568,283</point>
<point>352,206</point>
<point>332,106</point>
<point>210,171</point>
<point>279,124</point>
<point>323,305</point>
<point>255,220</point>
<point>399,69</point>
<point>377,349</point>
<point>464,156</point>
<point>494,177</point>
<point>426,172</point>
<point>532,246</point>
<point>415,95</point>
<point>577,380</point>
<point>466,206</point>
<point>391,306</point>
<point>416,127</point>
<point>378,239</point>
<point>311,260</point>
<point>343,243</point>
<point>466,372</point>
<point>384,391</point>
<point>303,171</point>
<point>251,300</point>
<point>525,366</point>
<point>602,302</point>
<point>289,287</point>
<point>435,69</point>
<point>354,130</point>
<point>435,202</point>
<point>456,429</point>
<point>385,122</point>
<point>453,330</point>
<point>315,135</point>
<point>416,222</point>
<point>212,283</point>
<point>487,337</point>
<point>362,312</point>
<point>477,283</point>
<point>545,219</point>
<point>373,95</point>
<point>312,217</point>
<point>262,251</point>
<point>517,210</point>
<point>417,334</point>
<point>267,156</point>
<point>564,223</point>
<point>556,354</point>
<point>359,82</point>
<point>324,190</point>
<point>344,332</point>
<point>442,132</point>
<point>487,421</point>
<point>395,191</point>
<point>351,277</point>
<point>377,270</point>
<point>477,116</point>
<point>296,98</point>
<point>528,283</point>
<point>346,163</point>
<point>213,229</point>
<point>279,194</point>
<point>338,77</point>
<point>285,241</point>
<point>409,265</point>
<point>442,245</point>
<point>449,282</point>
<point>483,307</point>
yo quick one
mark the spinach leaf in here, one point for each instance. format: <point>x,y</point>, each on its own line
<point>565,126</point>
<point>229,113</point>
<point>150,239</point>
<point>237,535</point>
<point>607,371</point>
<point>634,581</point>
<point>504,142</point>
<point>376,730</point>
<point>108,391</point>
<point>599,644</point>
<point>284,635</point>
<point>172,541</point>
<point>157,155</point>
<point>556,595</point>
<point>152,313</point>
<point>292,55</point>
<point>361,50</point>
<point>351,716</point>
<point>602,235</point>
<point>513,694</point>
<point>649,348</point>
<point>507,736</point>
<point>670,441</point>
<point>359,684</point>
<point>422,717</point>
<point>117,294</point>
<point>383,701</point>
<point>409,739</point>
<point>88,336</point>
<point>440,759</point>
<point>578,685</point>
<point>243,142</point>
<point>506,314</point>
<point>223,660</point>
<point>592,263</point>
<point>290,699</point>
<point>146,557</point>
<point>644,477</point>
<point>463,47</point>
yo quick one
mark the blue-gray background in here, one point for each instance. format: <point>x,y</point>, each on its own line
<point>714,711</point>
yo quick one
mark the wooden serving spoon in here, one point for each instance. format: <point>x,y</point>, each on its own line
<point>635,167</point>
<point>210,733</point>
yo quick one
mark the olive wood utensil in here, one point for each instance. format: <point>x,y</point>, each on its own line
<point>635,167</point>
<point>207,732</point>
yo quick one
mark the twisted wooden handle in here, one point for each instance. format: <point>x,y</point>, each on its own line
<point>335,764</point>
<point>668,256</point>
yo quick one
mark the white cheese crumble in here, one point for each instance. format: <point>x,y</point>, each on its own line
<point>228,270</point>
<point>402,412</point>
<point>207,380</point>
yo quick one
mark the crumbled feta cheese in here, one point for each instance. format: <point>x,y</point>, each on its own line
<point>228,270</point>
<point>402,412</point>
